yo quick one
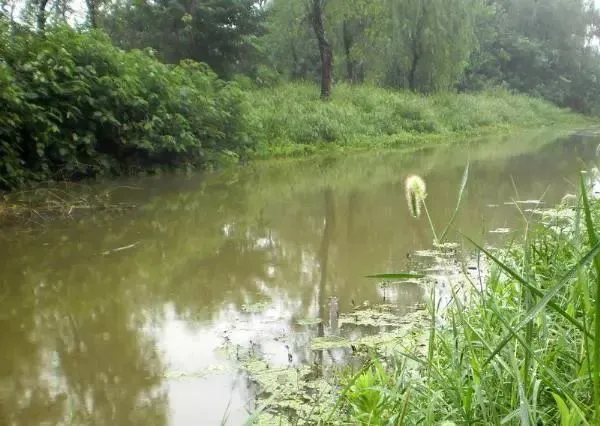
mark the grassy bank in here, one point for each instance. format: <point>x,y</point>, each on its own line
<point>294,121</point>
<point>524,351</point>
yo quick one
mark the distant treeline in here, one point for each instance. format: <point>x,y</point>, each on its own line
<point>183,83</point>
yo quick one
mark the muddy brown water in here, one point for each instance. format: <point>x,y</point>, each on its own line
<point>118,319</point>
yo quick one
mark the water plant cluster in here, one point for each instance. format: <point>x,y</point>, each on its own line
<point>523,351</point>
<point>510,339</point>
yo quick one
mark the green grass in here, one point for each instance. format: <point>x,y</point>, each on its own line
<point>525,351</point>
<point>293,120</point>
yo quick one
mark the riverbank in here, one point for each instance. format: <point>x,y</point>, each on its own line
<point>295,122</point>
<point>524,350</point>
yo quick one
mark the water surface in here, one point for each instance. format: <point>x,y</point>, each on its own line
<point>118,319</point>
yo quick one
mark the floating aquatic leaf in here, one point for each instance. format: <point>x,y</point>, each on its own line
<point>446,246</point>
<point>198,374</point>
<point>500,231</point>
<point>508,203</point>
<point>427,253</point>
<point>396,275</point>
<point>385,284</point>
<point>255,307</point>
<point>309,321</point>
<point>329,342</point>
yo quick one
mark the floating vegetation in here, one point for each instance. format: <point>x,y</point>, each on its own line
<point>552,214</point>
<point>427,253</point>
<point>388,284</point>
<point>255,307</point>
<point>376,316</point>
<point>309,321</point>
<point>509,203</point>
<point>329,342</point>
<point>42,205</point>
<point>446,246</point>
<point>199,374</point>
<point>300,392</point>
<point>500,231</point>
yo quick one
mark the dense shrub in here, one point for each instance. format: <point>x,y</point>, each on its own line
<point>73,105</point>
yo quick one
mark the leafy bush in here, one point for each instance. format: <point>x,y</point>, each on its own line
<point>74,105</point>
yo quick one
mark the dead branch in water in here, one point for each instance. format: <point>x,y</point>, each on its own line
<point>41,205</point>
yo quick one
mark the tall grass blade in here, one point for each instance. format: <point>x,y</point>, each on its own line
<point>344,391</point>
<point>463,185</point>
<point>557,384</point>
<point>534,289</point>
<point>544,301</point>
<point>596,347</point>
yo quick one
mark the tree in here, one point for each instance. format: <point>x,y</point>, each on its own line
<point>92,6</point>
<point>324,47</point>
<point>217,32</point>
<point>541,48</point>
<point>423,45</point>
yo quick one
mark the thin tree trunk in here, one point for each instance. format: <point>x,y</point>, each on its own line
<point>324,47</point>
<point>412,74</point>
<point>416,50</point>
<point>92,13</point>
<point>13,6</point>
<point>347,50</point>
<point>41,15</point>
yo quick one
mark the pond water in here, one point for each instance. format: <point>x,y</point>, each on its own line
<point>121,319</point>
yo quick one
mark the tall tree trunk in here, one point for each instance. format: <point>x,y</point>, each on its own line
<point>92,13</point>
<point>41,15</point>
<point>324,47</point>
<point>416,48</point>
<point>412,74</point>
<point>347,37</point>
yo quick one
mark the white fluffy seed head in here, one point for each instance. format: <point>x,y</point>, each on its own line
<point>416,192</point>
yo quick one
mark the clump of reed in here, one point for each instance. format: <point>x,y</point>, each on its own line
<point>42,205</point>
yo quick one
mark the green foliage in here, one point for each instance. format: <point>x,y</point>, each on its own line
<point>418,44</point>
<point>369,400</point>
<point>545,49</point>
<point>76,106</point>
<point>292,116</point>
<point>540,48</point>
<point>220,33</point>
<point>526,350</point>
